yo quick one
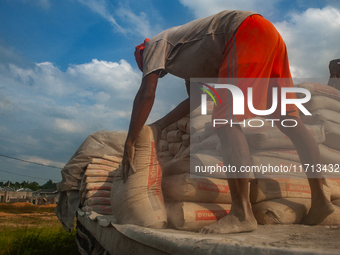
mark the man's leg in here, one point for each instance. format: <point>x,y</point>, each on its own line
<point>235,151</point>
<point>309,153</point>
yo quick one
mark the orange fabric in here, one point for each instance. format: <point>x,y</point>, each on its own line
<point>256,50</point>
<point>139,53</point>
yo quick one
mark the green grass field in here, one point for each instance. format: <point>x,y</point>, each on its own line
<point>28,229</point>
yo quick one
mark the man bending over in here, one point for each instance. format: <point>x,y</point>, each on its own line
<point>230,44</point>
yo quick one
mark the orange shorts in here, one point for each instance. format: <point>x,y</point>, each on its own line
<point>256,57</point>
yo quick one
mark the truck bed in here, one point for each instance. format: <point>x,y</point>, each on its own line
<point>266,239</point>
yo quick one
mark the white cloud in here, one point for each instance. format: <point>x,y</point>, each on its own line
<point>102,96</point>
<point>43,107</point>
<point>106,75</point>
<point>69,126</point>
<point>81,80</point>
<point>44,76</point>
<point>312,39</point>
<point>42,161</point>
<point>135,23</point>
<point>101,7</point>
<point>138,24</point>
<point>203,8</point>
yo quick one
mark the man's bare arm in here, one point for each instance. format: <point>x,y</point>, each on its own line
<point>141,109</point>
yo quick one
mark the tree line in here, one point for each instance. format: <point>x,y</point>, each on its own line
<point>29,185</point>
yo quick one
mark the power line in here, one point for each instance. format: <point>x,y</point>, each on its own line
<point>27,161</point>
<point>24,175</point>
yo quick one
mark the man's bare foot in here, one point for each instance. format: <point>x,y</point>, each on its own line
<point>231,224</point>
<point>318,212</point>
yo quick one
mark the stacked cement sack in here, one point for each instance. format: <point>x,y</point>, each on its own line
<point>270,147</point>
<point>276,197</point>
<point>96,184</point>
<point>94,146</point>
<point>325,108</point>
<point>287,200</point>
<point>193,202</point>
<point>139,200</point>
<point>176,138</point>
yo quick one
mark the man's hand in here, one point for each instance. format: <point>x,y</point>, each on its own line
<point>127,162</point>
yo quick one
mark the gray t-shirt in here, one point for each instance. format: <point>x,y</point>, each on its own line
<point>195,49</point>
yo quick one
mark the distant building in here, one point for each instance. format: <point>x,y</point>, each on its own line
<point>45,197</point>
<point>9,195</point>
<point>39,197</point>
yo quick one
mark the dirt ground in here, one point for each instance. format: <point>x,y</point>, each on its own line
<point>29,229</point>
<point>27,219</point>
<point>33,218</point>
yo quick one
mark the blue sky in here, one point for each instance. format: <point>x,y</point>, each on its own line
<point>67,67</point>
